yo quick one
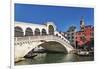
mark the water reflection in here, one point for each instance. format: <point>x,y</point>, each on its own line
<point>43,58</point>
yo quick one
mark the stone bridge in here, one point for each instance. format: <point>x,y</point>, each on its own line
<point>29,36</point>
<point>23,45</point>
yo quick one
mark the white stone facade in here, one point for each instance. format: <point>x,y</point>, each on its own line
<point>33,26</point>
<point>25,44</point>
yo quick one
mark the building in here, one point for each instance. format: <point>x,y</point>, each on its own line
<point>70,35</point>
<point>85,35</point>
<point>82,24</point>
<point>84,38</point>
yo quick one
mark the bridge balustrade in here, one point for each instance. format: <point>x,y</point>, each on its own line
<point>47,38</point>
<point>37,38</point>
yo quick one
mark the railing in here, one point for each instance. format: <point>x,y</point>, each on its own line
<point>46,38</point>
<point>38,38</point>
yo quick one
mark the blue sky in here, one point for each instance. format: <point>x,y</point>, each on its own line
<point>63,17</point>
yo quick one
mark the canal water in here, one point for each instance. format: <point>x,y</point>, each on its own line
<point>45,58</point>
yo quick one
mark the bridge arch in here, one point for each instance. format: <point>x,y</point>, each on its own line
<point>49,42</point>
<point>37,31</point>
<point>28,32</point>
<point>51,30</point>
<point>18,32</point>
<point>54,46</point>
<point>44,32</point>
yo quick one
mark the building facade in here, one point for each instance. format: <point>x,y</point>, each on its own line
<point>85,36</point>
<point>70,35</point>
<point>28,29</point>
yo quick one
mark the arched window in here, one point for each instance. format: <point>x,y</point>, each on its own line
<point>18,32</point>
<point>44,32</point>
<point>51,30</point>
<point>37,31</point>
<point>28,32</point>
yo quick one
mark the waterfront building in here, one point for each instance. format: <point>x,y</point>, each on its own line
<point>70,35</point>
<point>85,35</point>
<point>84,38</point>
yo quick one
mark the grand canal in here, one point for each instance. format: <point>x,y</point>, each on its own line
<point>44,58</point>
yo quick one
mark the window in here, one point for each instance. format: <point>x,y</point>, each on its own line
<point>72,37</point>
<point>68,38</point>
<point>72,33</point>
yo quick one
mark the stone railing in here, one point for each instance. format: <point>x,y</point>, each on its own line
<point>45,38</point>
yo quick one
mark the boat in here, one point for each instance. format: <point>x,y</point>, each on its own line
<point>83,53</point>
<point>30,55</point>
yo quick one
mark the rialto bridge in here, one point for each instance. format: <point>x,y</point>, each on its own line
<point>28,36</point>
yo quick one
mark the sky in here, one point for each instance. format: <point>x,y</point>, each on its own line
<point>62,16</point>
